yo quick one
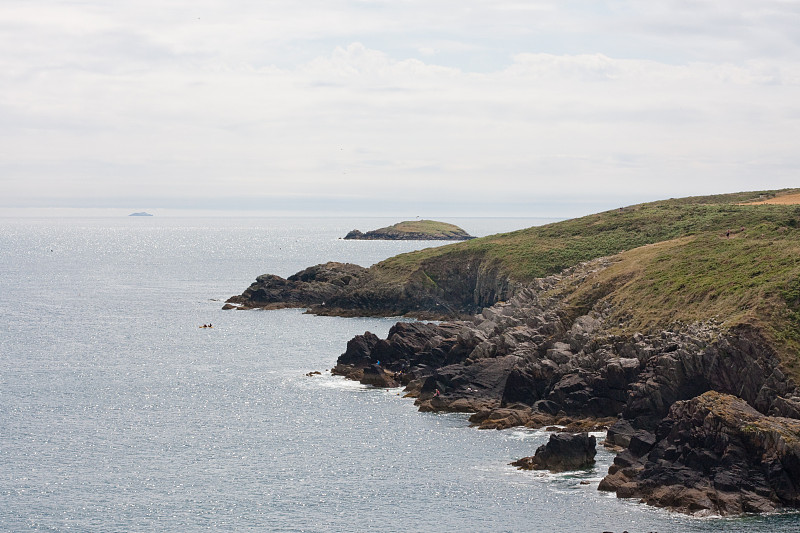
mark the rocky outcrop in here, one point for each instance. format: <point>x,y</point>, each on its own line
<point>713,454</point>
<point>563,452</point>
<point>528,353</point>
<point>309,287</point>
<point>438,289</point>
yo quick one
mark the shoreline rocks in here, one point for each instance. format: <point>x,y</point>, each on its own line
<point>563,452</point>
<point>712,455</point>
<point>446,291</point>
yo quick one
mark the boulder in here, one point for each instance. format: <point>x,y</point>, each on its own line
<point>563,452</point>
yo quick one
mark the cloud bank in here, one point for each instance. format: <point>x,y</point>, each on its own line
<point>483,107</point>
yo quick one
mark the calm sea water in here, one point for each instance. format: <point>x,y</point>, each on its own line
<point>117,413</point>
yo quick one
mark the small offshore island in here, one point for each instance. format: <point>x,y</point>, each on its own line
<point>140,214</point>
<point>414,230</point>
<point>674,326</point>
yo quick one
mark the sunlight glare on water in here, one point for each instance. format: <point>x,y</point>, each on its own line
<point>120,414</point>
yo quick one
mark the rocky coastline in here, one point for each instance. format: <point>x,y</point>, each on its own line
<point>531,362</point>
<point>680,342</point>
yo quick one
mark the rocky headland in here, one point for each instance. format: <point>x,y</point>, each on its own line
<point>414,230</point>
<point>683,343</point>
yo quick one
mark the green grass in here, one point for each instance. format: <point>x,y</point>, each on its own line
<point>425,226</point>
<point>544,250</point>
<point>431,228</point>
<point>752,278</point>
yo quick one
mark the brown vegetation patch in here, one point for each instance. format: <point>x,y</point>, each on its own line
<point>787,199</point>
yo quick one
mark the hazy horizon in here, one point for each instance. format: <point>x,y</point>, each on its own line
<point>354,106</point>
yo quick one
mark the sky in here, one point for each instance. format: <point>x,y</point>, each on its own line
<point>373,107</point>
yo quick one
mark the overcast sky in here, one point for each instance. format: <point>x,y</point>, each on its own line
<point>451,107</point>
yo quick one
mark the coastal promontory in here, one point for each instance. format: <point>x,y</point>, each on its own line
<point>672,325</point>
<point>413,230</point>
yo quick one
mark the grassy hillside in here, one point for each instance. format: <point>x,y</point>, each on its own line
<point>544,250</point>
<point>679,263</point>
<point>753,278</point>
<point>431,227</point>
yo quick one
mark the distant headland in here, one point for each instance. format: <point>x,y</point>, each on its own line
<point>140,214</point>
<point>414,230</point>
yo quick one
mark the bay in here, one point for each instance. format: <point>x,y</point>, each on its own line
<point>118,413</point>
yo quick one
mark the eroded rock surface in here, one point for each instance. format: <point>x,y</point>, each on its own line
<point>563,452</point>
<point>713,454</point>
<point>310,287</point>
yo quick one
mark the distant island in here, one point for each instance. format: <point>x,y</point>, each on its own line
<point>414,230</point>
<point>140,214</point>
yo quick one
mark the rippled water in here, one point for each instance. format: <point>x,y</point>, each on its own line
<point>117,413</point>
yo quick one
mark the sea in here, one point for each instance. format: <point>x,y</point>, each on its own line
<point>119,413</point>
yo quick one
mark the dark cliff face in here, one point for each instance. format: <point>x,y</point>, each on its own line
<point>713,454</point>
<point>438,289</point>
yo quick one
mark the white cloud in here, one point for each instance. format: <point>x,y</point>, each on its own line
<point>214,100</point>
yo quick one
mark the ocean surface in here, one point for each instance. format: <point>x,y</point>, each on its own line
<point>118,413</point>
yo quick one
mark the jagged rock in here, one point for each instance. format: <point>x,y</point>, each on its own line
<point>563,452</point>
<point>309,287</point>
<point>713,454</point>
<point>359,350</point>
<point>786,407</point>
<point>466,388</point>
<point>376,376</point>
<point>620,433</point>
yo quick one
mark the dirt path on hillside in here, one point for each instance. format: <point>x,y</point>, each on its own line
<point>788,199</point>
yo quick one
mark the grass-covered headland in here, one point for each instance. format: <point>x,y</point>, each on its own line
<point>675,325</point>
<point>675,261</point>
<point>732,259</point>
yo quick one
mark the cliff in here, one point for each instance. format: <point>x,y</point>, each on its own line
<point>714,454</point>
